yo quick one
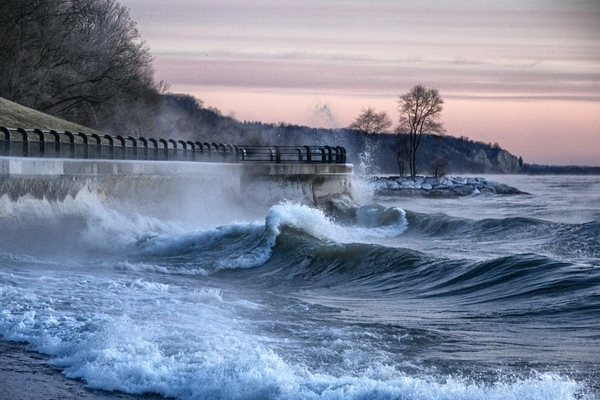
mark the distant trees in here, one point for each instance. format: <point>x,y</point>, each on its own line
<point>420,110</point>
<point>371,121</point>
<point>82,60</point>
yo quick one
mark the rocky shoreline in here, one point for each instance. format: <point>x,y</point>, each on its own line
<point>448,186</point>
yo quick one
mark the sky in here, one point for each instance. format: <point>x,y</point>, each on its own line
<point>521,73</point>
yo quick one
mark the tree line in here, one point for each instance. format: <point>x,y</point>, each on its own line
<point>81,60</point>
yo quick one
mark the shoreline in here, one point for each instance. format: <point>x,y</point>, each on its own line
<point>26,374</point>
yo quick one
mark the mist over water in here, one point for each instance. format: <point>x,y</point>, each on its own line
<point>492,297</point>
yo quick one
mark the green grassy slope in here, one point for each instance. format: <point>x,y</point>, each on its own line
<point>13,115</point>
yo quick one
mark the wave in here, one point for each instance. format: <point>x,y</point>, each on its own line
<point>248,245</point>
<point>207,336</point>
<point>567,241</point>
<point>304,247</point>
<point>578,241</point>
<point>375,270</point>
<point>199,344</point>
<point>442,225</point>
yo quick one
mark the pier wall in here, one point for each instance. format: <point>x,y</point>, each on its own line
<point>150,181</point>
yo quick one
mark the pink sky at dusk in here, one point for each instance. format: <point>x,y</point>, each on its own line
<point>523,73</point>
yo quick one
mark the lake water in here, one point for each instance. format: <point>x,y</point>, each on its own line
<point>483,297</point>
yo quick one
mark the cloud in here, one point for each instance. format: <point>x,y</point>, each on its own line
<point>475,79</point>
<point>465,48</point>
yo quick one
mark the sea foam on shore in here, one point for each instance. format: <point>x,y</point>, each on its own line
<point>25,374</point>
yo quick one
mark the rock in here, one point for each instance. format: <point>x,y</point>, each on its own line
<point>445,187</point>
<point>462,190</point>
<point>394,185</point>
<point>506,162</point>
<point>480,157</point>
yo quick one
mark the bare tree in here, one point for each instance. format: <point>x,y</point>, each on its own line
<point>420,110</point>
<point>81,60</point>
<point>371,122</point>
<point>439,166</point>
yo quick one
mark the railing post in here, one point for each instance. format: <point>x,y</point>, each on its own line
<point>166,147</point>
<point>308,154</point>
<point>323,156</point>
<point>329,155</point>
<point>25,141</point>
<point>71,143</point>
<point>192,147</point>
<point>123,146</point>
<point>277,155</point>
<point>111,144</point>
<point>144,142</point>
<point>42,142</point>
<point>98,145</point>
<point>155,143</point>
<point>57,143</point>
<point>199,147</point>
<point>85,140</point>
<point>175,150</point>
<point>210,150</point>
<point>299,150</point>
<point>340,155</point>
<point>185,149</point>
<point>135,147</point>
<point>6,140</point>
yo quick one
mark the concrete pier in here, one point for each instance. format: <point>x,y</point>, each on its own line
<point>259,183</point>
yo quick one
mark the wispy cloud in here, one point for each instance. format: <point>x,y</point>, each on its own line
<point>469,48</point>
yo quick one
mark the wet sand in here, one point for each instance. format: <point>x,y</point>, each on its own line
<point>26,375</point>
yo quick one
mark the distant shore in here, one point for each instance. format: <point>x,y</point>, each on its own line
<point>442,187</point>
<point>25,375</point>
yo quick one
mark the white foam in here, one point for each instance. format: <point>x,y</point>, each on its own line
<point>137,336</point>
<point>139,267</point>
<point>316,223</point>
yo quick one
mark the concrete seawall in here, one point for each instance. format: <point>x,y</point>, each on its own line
<point>261,184</point>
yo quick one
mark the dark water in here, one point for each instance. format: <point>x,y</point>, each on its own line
<point>487,297</point>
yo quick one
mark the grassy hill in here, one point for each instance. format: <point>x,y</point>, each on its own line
<point>13,115</point>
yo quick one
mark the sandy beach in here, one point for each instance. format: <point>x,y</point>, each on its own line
<point>25,375</point>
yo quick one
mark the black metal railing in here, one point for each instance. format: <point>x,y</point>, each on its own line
<point>20,142</point>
